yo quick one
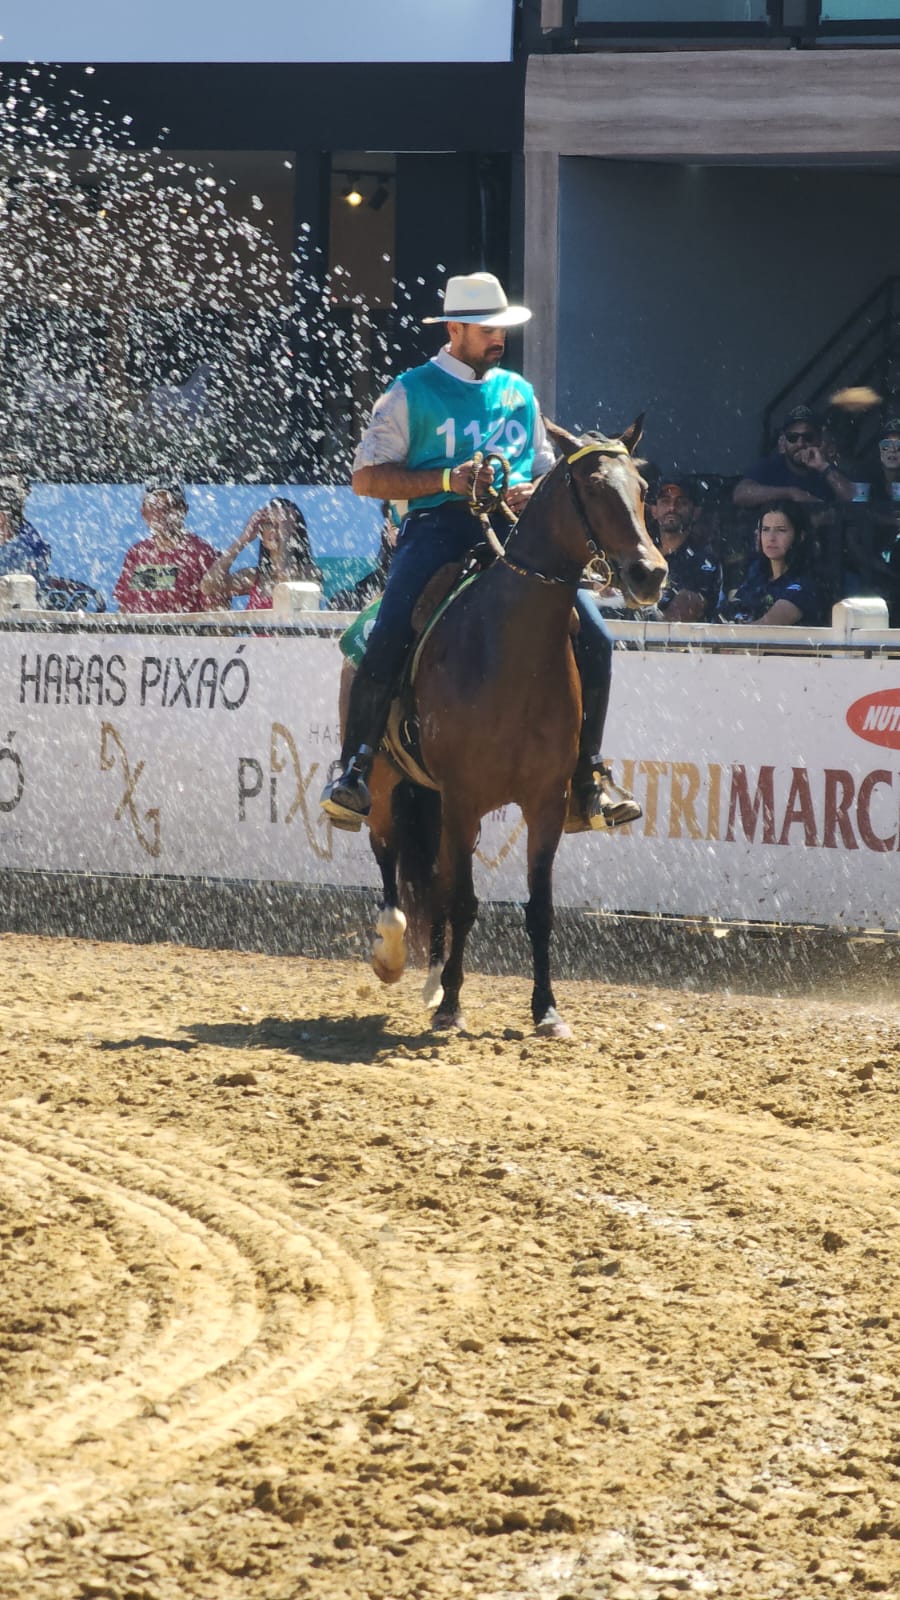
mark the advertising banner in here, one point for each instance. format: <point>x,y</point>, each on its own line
<point>770,786</point>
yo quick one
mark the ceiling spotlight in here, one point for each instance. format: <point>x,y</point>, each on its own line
<point>379,196</point>
<point>351,194</point>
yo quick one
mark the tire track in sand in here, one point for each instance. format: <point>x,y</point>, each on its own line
<point>260,1312</point>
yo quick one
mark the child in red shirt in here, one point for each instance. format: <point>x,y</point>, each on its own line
<point>165,572</point>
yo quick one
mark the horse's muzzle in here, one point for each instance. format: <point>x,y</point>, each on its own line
<point>643,580</point>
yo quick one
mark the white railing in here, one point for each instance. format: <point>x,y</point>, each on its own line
<point>857,625</point>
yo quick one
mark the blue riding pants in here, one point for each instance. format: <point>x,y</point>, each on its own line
<point>428,539</point>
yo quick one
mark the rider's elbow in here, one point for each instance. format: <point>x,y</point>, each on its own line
<point>361,482</point>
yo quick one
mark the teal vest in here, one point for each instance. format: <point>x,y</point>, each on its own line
<point>449,419</point>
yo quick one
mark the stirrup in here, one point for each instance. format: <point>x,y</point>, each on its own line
<point>345,798</point>
<point>600,804</point>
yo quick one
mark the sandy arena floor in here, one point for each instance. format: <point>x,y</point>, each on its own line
<point>298,1301</point>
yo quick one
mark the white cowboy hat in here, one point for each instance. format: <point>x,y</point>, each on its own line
<point>479,298</point>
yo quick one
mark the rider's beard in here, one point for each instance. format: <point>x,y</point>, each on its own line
<point>491,358</point>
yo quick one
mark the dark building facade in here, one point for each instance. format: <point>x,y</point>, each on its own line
<point>367,183</point>
<point>712,195</point>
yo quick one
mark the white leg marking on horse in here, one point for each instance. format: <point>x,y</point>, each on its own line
<point>389,945</point>
<point>433,989</point>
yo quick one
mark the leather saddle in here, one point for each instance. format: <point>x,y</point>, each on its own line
<point>401,740</point>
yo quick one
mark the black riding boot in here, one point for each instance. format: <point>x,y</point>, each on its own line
<point>597,803</point>
<point>345,798</point>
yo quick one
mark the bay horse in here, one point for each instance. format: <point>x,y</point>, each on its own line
<point>498,701</point>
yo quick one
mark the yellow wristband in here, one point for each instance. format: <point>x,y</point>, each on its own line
<point>445,481</point>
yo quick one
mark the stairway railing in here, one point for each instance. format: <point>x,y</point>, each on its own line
<point>859,351</point>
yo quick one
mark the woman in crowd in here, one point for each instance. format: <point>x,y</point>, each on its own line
<point>779,586</point>
<point>284,556</point>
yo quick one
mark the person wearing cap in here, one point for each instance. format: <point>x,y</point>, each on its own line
<point>883,475</point>
<point>693,585</point>
<point>797,470</point>
<point>164,573</point>
<point>419,449</point>
<point>872,553</point>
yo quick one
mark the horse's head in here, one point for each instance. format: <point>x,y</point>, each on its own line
<point>607,491</point>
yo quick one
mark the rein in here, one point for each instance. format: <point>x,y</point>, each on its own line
<point>491,500</point>
<point>599,568</point>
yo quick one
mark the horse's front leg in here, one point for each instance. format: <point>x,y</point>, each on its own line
<point>389,943</point>
<point>456,893</point>
<point>432,990</point>
<point>544,831</point>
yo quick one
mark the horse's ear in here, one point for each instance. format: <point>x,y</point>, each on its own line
<point>565,442</point>
<point>631,438</point>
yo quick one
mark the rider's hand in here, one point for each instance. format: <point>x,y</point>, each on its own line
<point>461,478</point>
<point>517,496</point>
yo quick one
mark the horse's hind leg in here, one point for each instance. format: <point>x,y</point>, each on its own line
<point>457,893</point>
<point>543,840</point>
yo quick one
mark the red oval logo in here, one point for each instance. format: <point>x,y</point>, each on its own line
<point>876,717</point>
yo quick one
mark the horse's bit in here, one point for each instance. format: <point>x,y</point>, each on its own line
<point>601,573</point>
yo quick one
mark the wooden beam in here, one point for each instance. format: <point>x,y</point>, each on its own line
<point>542,274</point>
<point>714,104</point>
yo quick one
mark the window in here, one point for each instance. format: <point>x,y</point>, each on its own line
<point>860,10</point>
<point>673,11</point>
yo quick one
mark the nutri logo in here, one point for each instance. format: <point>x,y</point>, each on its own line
<point>876,717</point>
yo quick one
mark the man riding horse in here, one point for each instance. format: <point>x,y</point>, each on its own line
<point>420,448</point>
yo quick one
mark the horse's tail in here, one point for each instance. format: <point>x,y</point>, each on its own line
<point>417,832</point>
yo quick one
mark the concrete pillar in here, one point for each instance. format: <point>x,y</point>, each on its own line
<point>542,275</point>
<point>18,592</point>
<point>849,616</point>
<point>290,600</point>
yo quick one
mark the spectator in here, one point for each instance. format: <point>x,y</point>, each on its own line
<point>21,547</point>
<point>371,586</point>
<point>164,572</point>
<point>799,470</point>
<point>779,587</point>
<point>284,557</point>
<point>885,474</point>
<point>873,525</point>
<point>692,588</point>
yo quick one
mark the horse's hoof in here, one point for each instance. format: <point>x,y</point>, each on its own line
<point>386,974</point>
<point>433,989</point>
<point>449,1022</point>
<point>551,1026</point>
<point>389,945</point>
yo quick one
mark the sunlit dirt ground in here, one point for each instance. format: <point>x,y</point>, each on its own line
<point>299,1300</point>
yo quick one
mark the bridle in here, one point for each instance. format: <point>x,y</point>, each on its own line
<point>599,571</point>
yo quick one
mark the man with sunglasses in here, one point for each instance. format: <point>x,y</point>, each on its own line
<point>798,469</point>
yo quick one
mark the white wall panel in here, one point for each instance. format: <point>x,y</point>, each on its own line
<point>770,787</point>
